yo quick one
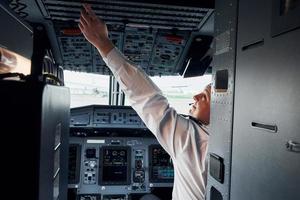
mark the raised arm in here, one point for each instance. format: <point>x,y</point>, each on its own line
<point>95,31</point>
<point>172,130</point>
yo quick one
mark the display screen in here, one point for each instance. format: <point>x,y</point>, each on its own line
<point>115,166</point>
<point>161,166</point>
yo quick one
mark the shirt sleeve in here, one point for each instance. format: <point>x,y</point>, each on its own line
<point>173,131</point>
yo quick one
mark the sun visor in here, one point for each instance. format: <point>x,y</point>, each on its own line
<point>199,57</point>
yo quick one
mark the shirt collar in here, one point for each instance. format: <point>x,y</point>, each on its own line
<point>204,127</point>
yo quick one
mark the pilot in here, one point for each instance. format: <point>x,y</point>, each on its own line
<point>185,139</point>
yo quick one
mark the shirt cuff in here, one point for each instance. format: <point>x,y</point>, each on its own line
<point>114,60</point>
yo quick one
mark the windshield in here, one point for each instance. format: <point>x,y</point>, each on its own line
<point>87,88</point>
<point>93,89</point>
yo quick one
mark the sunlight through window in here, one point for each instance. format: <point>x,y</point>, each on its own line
<point>180,91</point>
<point>87,89</point>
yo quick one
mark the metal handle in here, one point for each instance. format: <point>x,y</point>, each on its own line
<point>293,146</point>
<point>265,127</point>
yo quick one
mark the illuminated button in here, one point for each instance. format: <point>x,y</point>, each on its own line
<point>92,164</point>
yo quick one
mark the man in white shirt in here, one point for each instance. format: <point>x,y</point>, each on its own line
<point>185,140</point>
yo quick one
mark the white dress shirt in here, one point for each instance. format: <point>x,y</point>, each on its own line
<point>184,140</point>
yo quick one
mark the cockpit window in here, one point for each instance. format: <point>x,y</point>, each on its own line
<point>179,90</point>
<point>93,89</point>
<point>87,88</point>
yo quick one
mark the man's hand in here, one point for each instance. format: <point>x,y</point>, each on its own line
<point>95,30</point>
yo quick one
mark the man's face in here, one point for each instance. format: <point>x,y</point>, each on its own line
<point>201,107</point>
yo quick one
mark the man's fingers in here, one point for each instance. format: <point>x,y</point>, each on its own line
<point>81,27</point>
<point>82,30</point>
<point>88,8</point>
<point>89,11</point>
<point>84,16</point>
<point>83,21</point>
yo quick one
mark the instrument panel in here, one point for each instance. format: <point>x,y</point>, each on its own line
<point>101,116</point>
<point>114,165</point>
<point>122,166</point>
<point>161,166</point>
<point>112,155</point>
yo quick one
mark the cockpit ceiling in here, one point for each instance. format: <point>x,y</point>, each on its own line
<point>153,34</point>
<point>132,13</point>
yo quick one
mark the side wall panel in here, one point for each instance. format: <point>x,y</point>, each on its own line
<point>265,161</point>
<point>222,98</point>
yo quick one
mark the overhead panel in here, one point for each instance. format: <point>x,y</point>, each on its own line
<point>125,12</point>
<point>167,51</point>
<point>138,45</point>
<point>152,34</point>
<point>76,50</point>
<point>99,65</point>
